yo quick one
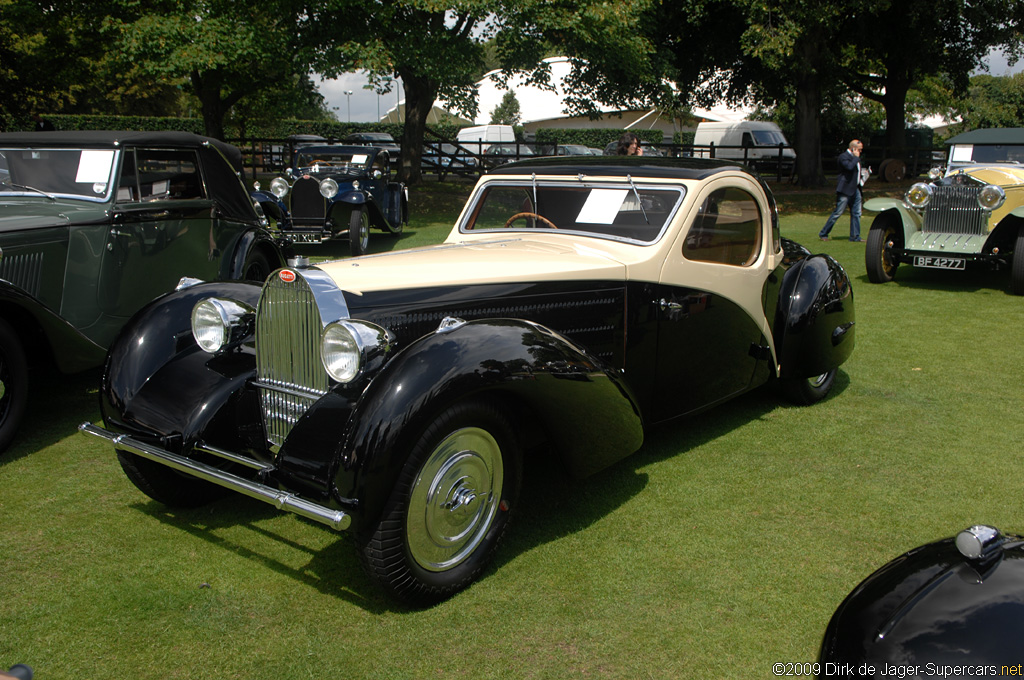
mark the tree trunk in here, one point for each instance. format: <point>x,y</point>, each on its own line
<point>207,88</point>
<point>420,94</point>
<point>895,102</point>
<point>808,118</point>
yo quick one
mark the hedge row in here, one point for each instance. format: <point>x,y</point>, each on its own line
<point>275,130</point>
<point>595,137</point>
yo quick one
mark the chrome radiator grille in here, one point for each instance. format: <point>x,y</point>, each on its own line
<point>955,210</point>
<point>290,376</point>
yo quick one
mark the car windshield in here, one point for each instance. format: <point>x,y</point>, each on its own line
<point>768,138</point>
<point>637,214</point>
<point>66,173</point>
<point>986,153</point>
<point>320,160</point>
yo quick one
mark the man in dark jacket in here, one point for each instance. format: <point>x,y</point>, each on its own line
<point>847,191</point>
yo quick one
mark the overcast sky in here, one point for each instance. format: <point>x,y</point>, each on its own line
<point>365,106</point>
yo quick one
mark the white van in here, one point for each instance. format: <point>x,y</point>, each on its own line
<point>753,140</point>
<point>479,137</point>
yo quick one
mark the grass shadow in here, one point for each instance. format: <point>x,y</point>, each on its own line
<point>552,505</point>
<point>968,281</point>
<point>57,405</point>
<point>333,569</point>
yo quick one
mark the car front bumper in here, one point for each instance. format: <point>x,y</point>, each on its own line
<point>282,500</point>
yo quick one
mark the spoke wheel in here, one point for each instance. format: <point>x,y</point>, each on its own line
<point>256,267</point>
<point>878,257</point>
<point>359,232</point>
<point>450,507</point>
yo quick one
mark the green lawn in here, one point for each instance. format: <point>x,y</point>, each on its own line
<point>719,548</point>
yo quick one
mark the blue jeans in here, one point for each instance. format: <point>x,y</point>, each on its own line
<point>841,201</point>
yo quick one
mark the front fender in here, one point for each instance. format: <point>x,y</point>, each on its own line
<point>814,324</point>
<point>894,212</point>
<point>157,381</point>
<point>583,407</point>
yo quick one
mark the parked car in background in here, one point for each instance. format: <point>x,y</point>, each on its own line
<point>577,302</point>
<point>970,215</point>
<point>499,154</point>
<point>951,609</point>
<point>444,158</point>
<point>759,144</point>
<point>97,224</point>
<point>381,140</point>
<point>572,150</point>
<point>336,192</point>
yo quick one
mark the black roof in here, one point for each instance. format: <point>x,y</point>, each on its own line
<point>989,136</point>
<point>636,166</point>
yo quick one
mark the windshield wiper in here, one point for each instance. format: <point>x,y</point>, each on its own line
<point>39,191</point>
<point>637,194</point>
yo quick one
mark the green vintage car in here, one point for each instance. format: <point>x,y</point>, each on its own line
<point>971,214</point>
<point>94,225</point>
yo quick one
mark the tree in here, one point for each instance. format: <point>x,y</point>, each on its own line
<point>507,112</point>
<point>439,53</point>
<point>219,50</point>
<point>434,51</point>
<point>993,102</point>
<point>902,43</point>
<point>49,53</point>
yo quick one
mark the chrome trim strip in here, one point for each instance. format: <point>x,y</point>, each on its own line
<point>282,500</point>
<point>248,462</point>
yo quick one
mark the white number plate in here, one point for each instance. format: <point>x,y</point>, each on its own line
<point>940,262</point>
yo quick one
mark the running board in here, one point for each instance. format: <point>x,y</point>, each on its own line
<point>282,500</point>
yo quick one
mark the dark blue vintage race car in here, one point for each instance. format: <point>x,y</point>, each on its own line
<point>577,302</point>
<point>336,192</point>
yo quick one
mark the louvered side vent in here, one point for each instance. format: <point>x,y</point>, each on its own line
<point>955,210</point>
<point>308,205</point>
<point>24,271</point>
<point>290,375</point>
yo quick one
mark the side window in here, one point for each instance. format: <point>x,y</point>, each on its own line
<point>168,175</point>
<point>727,229</point>
<point>128,185</point>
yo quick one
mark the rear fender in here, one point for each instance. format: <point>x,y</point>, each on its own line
<point>583,407</point>
<point>814,323</point>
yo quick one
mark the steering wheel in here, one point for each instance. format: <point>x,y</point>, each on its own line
<point>321,162</point>
<point>530,214</point>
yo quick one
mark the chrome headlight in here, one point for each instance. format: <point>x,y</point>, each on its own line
<point>919,195</point>
<point>328,188</point>
<point>350,346</point>
<point>218,324</point>
<point>991,196</point>
<point>935,173</point>
<point>279,187</point>
<point>355,184</point>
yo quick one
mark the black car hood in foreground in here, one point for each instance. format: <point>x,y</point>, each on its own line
<point>933,608</point>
